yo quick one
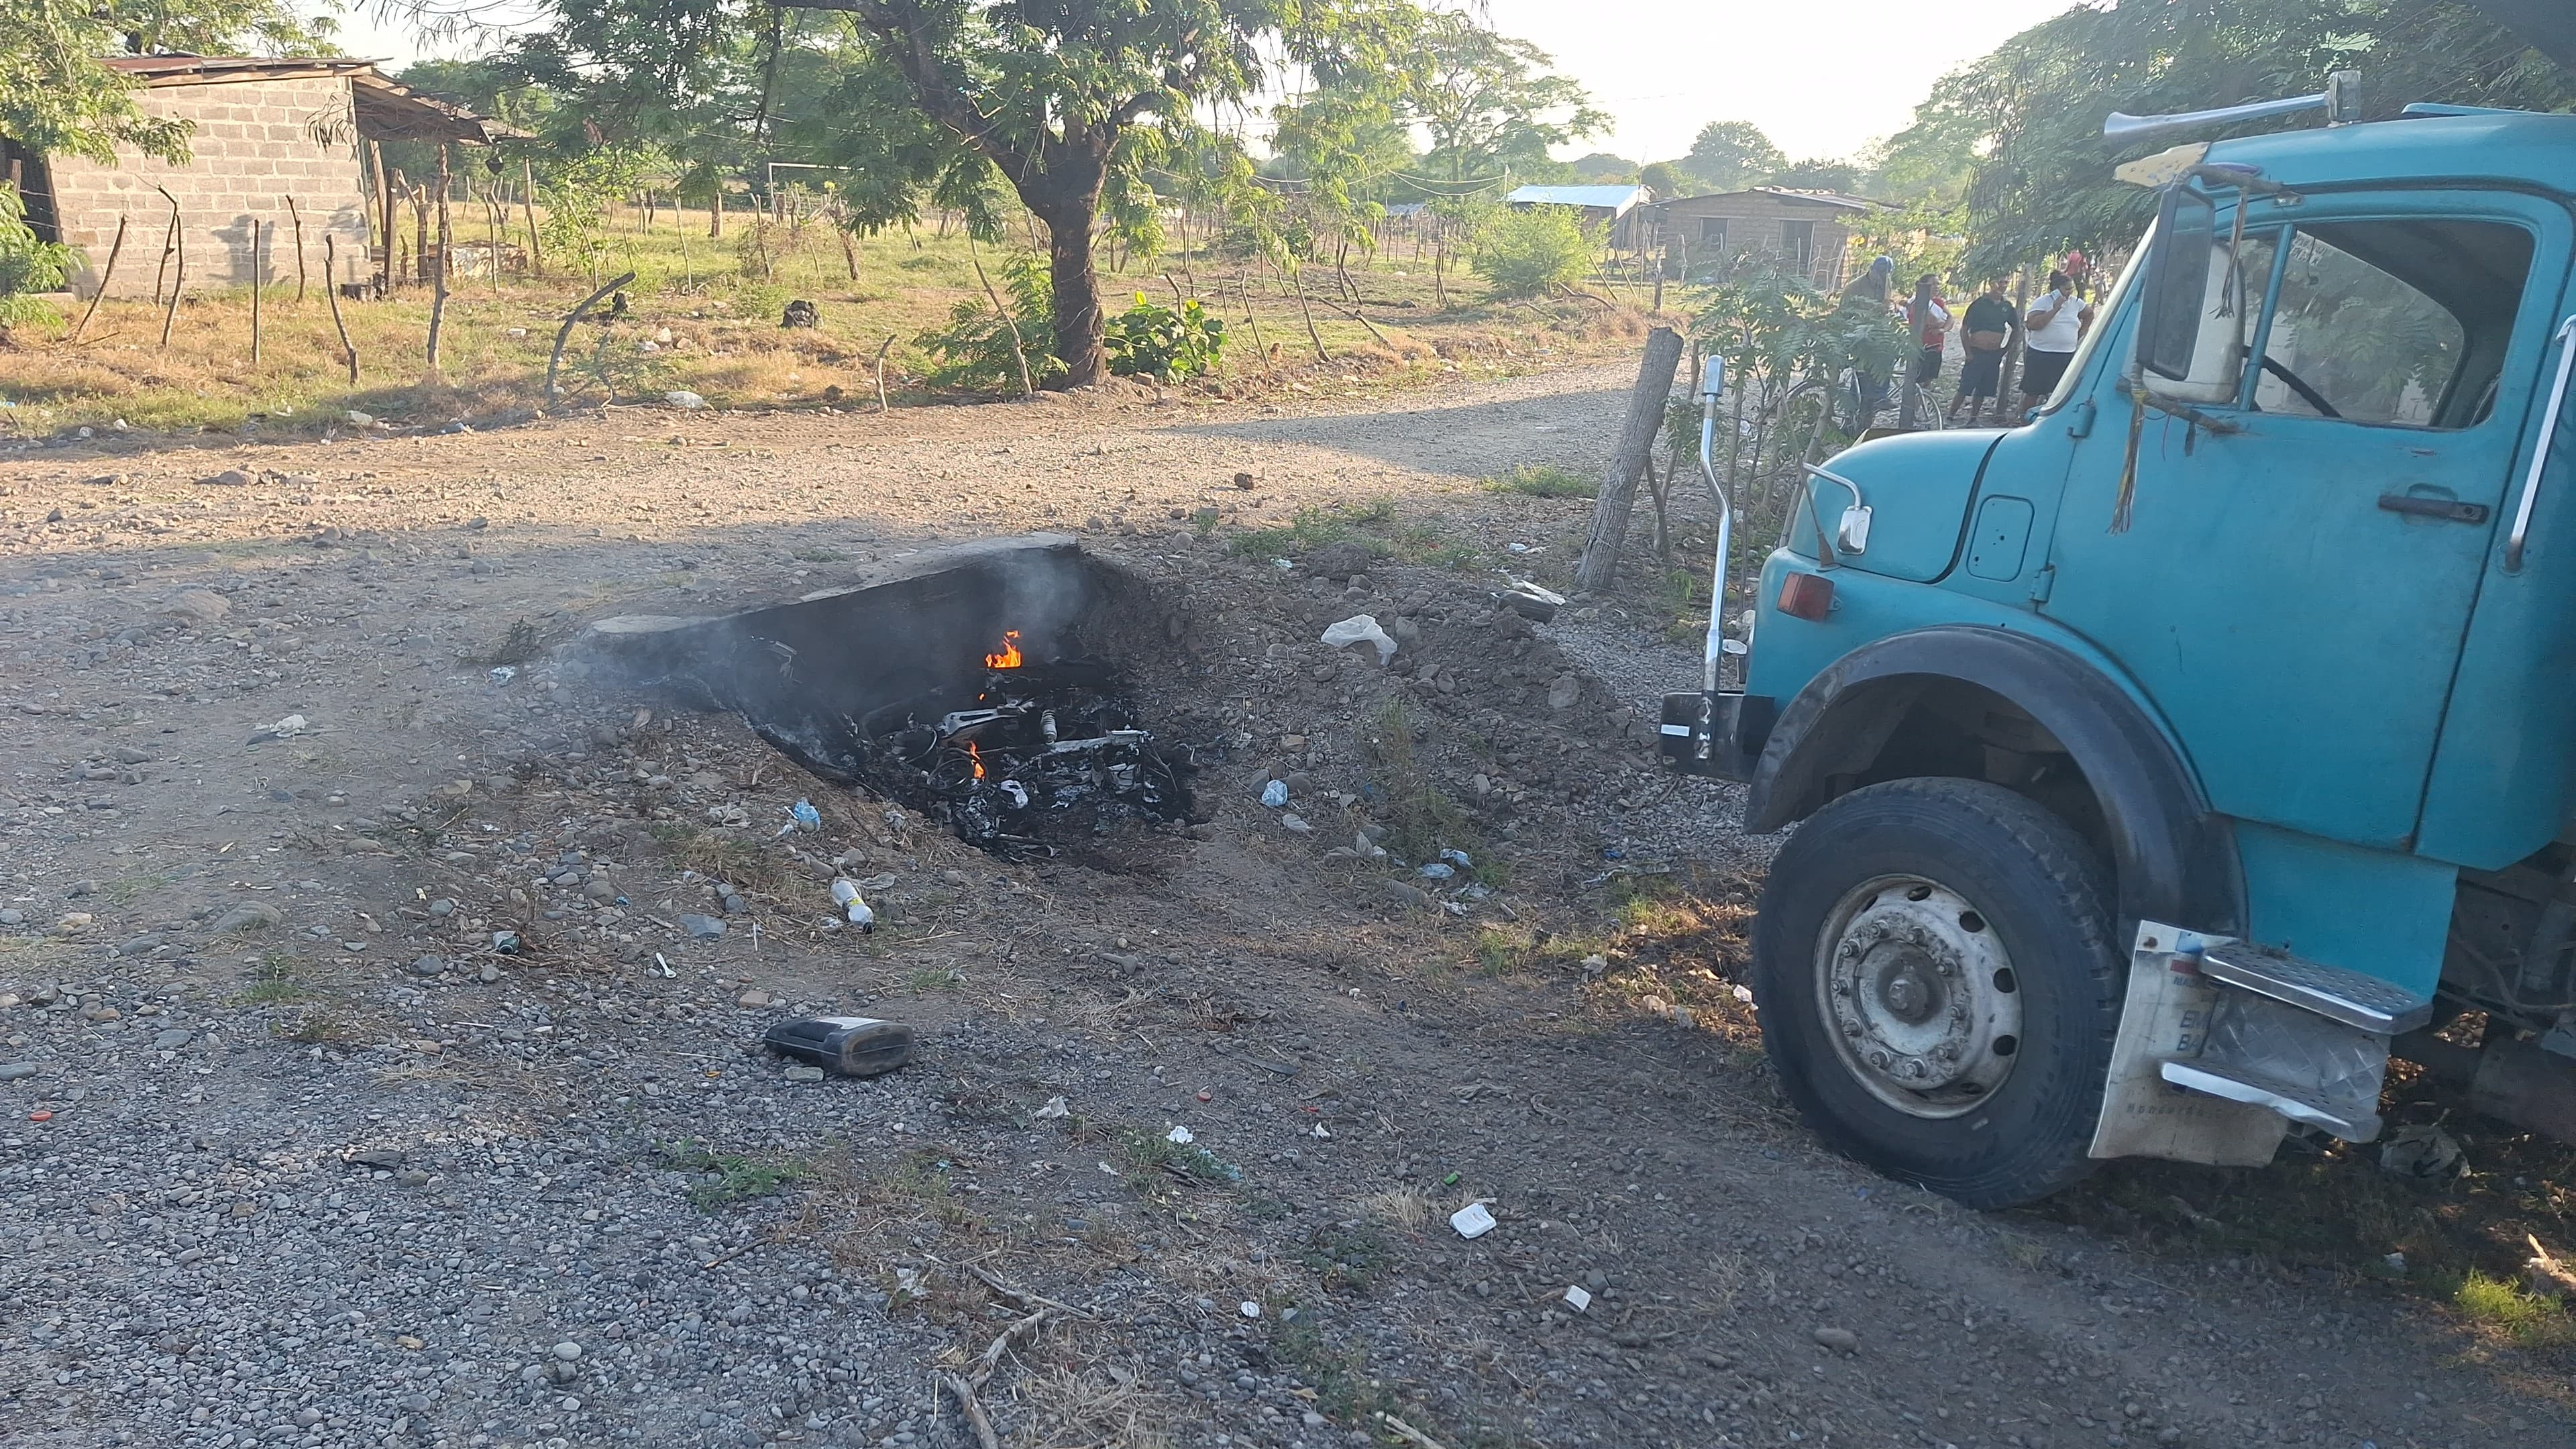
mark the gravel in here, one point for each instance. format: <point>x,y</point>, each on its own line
<point>1696,820</point>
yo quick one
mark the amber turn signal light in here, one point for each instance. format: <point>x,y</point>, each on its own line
<point>1807,596</point>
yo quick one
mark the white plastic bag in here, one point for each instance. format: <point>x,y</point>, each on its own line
<point>1361,629</point>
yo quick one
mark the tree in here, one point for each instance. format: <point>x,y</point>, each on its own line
<point>1070,102</point>
<point>56,95</point>
<point>1666,179</point>
<point>2024,123</point>
<point>1732,155</point>
<point>1818,174</point>
<point>1490,104</point>
<point>1602,169</point>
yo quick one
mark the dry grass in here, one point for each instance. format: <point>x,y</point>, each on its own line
<point>721,311</point>
<point>1407,1207</point>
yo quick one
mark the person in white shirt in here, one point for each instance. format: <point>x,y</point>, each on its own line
<point>2054,326</point>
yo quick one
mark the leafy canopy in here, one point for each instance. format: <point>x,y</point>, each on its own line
<point>1732,155</point>
<point>56,96</point>
<point>2024,124</point>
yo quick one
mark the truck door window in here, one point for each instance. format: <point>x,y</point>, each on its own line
<point>2399,322</point>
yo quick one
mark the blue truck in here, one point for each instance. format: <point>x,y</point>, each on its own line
<point>2164,765</point>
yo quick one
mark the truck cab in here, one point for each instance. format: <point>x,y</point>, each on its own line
<point>2162,764</point>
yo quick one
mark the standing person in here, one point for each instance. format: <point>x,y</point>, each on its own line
<point>1869,292</point>
<point>1988,331</point>
<point>1927,316</point>
<point>2056,324</point>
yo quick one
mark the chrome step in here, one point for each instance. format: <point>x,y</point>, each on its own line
<point>2239,1085</point>
<point>2364,1003</point>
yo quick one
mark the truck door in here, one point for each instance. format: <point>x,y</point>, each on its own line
<point>2298,565</point>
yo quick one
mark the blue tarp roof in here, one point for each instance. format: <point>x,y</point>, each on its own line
<point>1613,199</point>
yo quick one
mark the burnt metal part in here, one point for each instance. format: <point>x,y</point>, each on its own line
<point>886,683</point>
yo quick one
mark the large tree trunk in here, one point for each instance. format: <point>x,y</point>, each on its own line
<point>1077,293</point>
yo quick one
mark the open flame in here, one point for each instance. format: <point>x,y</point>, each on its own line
<point>975,757</point>
<point>1009,658</point>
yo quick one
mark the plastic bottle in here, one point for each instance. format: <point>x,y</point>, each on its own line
<point>845,893</point>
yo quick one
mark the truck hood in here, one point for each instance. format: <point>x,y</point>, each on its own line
<point>1917,486</point>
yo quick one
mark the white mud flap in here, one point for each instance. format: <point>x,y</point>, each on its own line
<point>2167,1016</point>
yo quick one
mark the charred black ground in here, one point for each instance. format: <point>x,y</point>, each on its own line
<point>986,686</point>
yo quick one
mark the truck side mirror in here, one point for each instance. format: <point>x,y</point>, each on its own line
<point>2191,316</point>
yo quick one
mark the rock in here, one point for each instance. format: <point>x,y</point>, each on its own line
<point>568,1351</point>
<point>128,754</point>
<point>802,1073</point>
<point>1840,1340</point>
<point>1565,693</point>
<point>80,888</point>
<point>173,1039</point>
<point>202,605</point>
<point>17,1071</point>
<point>1338,561</point>
<point>1398,891</point>
<point>1294,824</point>
<point>231,478</point>
<point>703,927</point>
<point>1243,481</point>
<point>684,400</point>
<point>12,916</point>
<point>428,966</point>
<point>45,995</point>
<point>754,1000</point>
<point>489,974</point>
<point>139,946</point>
<point>598,889</point>
<point>248,916</point>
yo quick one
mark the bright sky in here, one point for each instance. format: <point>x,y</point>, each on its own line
<point>1821,81</point>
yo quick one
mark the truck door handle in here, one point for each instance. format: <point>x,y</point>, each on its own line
<point>2520,536</point>
<point>2446,509</point>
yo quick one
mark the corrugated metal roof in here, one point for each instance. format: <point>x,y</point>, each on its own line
<point>1608,198</point>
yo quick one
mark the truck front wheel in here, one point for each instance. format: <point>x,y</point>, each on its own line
<point>1938,989</point>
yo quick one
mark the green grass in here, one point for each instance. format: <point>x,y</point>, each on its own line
<point>1421,818</point>
<point>2527,1318</point>
<point>728,1178</point>
<point>819,555</point>
<point>1152,1152</point>
<point>1313,528</point>
<point>1544,480</point>
<point>272,982</point>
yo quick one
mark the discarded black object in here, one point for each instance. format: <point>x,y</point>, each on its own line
<point>801,313</point>
<point>852,1046</point>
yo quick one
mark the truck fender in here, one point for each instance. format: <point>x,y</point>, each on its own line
<point>2176,861</point>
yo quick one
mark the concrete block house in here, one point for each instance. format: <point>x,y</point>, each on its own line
<point>1802,231</point>
<point>263,130</point>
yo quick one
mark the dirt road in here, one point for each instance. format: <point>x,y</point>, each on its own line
<point>294,1154</point>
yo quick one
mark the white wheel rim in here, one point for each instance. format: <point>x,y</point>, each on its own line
<point>1918,995</point>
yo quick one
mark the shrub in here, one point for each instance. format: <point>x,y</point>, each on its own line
<point>975,349</point>
<point>1152,340</point>
<point>1535,252</point>
<point>26,264</point>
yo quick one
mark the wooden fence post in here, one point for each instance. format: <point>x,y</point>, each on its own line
<point>528,204</point>
<point>258,285</point>
<point>178,265</point>
<point>296,218</point>
<point>331,283</point>
<point>1646,404</point>
<point>103,279</point>
<point>438,272</point>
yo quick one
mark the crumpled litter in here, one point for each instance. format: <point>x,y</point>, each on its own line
<point>1360,629</point>
<point>2422,1151</point>
<point>285,729</point>
<point>1275,794</point>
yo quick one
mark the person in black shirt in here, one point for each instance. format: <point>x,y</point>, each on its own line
<point>1985,331</point>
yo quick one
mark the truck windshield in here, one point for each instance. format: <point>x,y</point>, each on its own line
<point>2105,312</point>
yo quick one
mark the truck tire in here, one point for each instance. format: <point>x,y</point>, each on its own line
<point>1938,989</point>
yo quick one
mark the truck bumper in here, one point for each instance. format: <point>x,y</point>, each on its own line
<point>1719,735</point>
